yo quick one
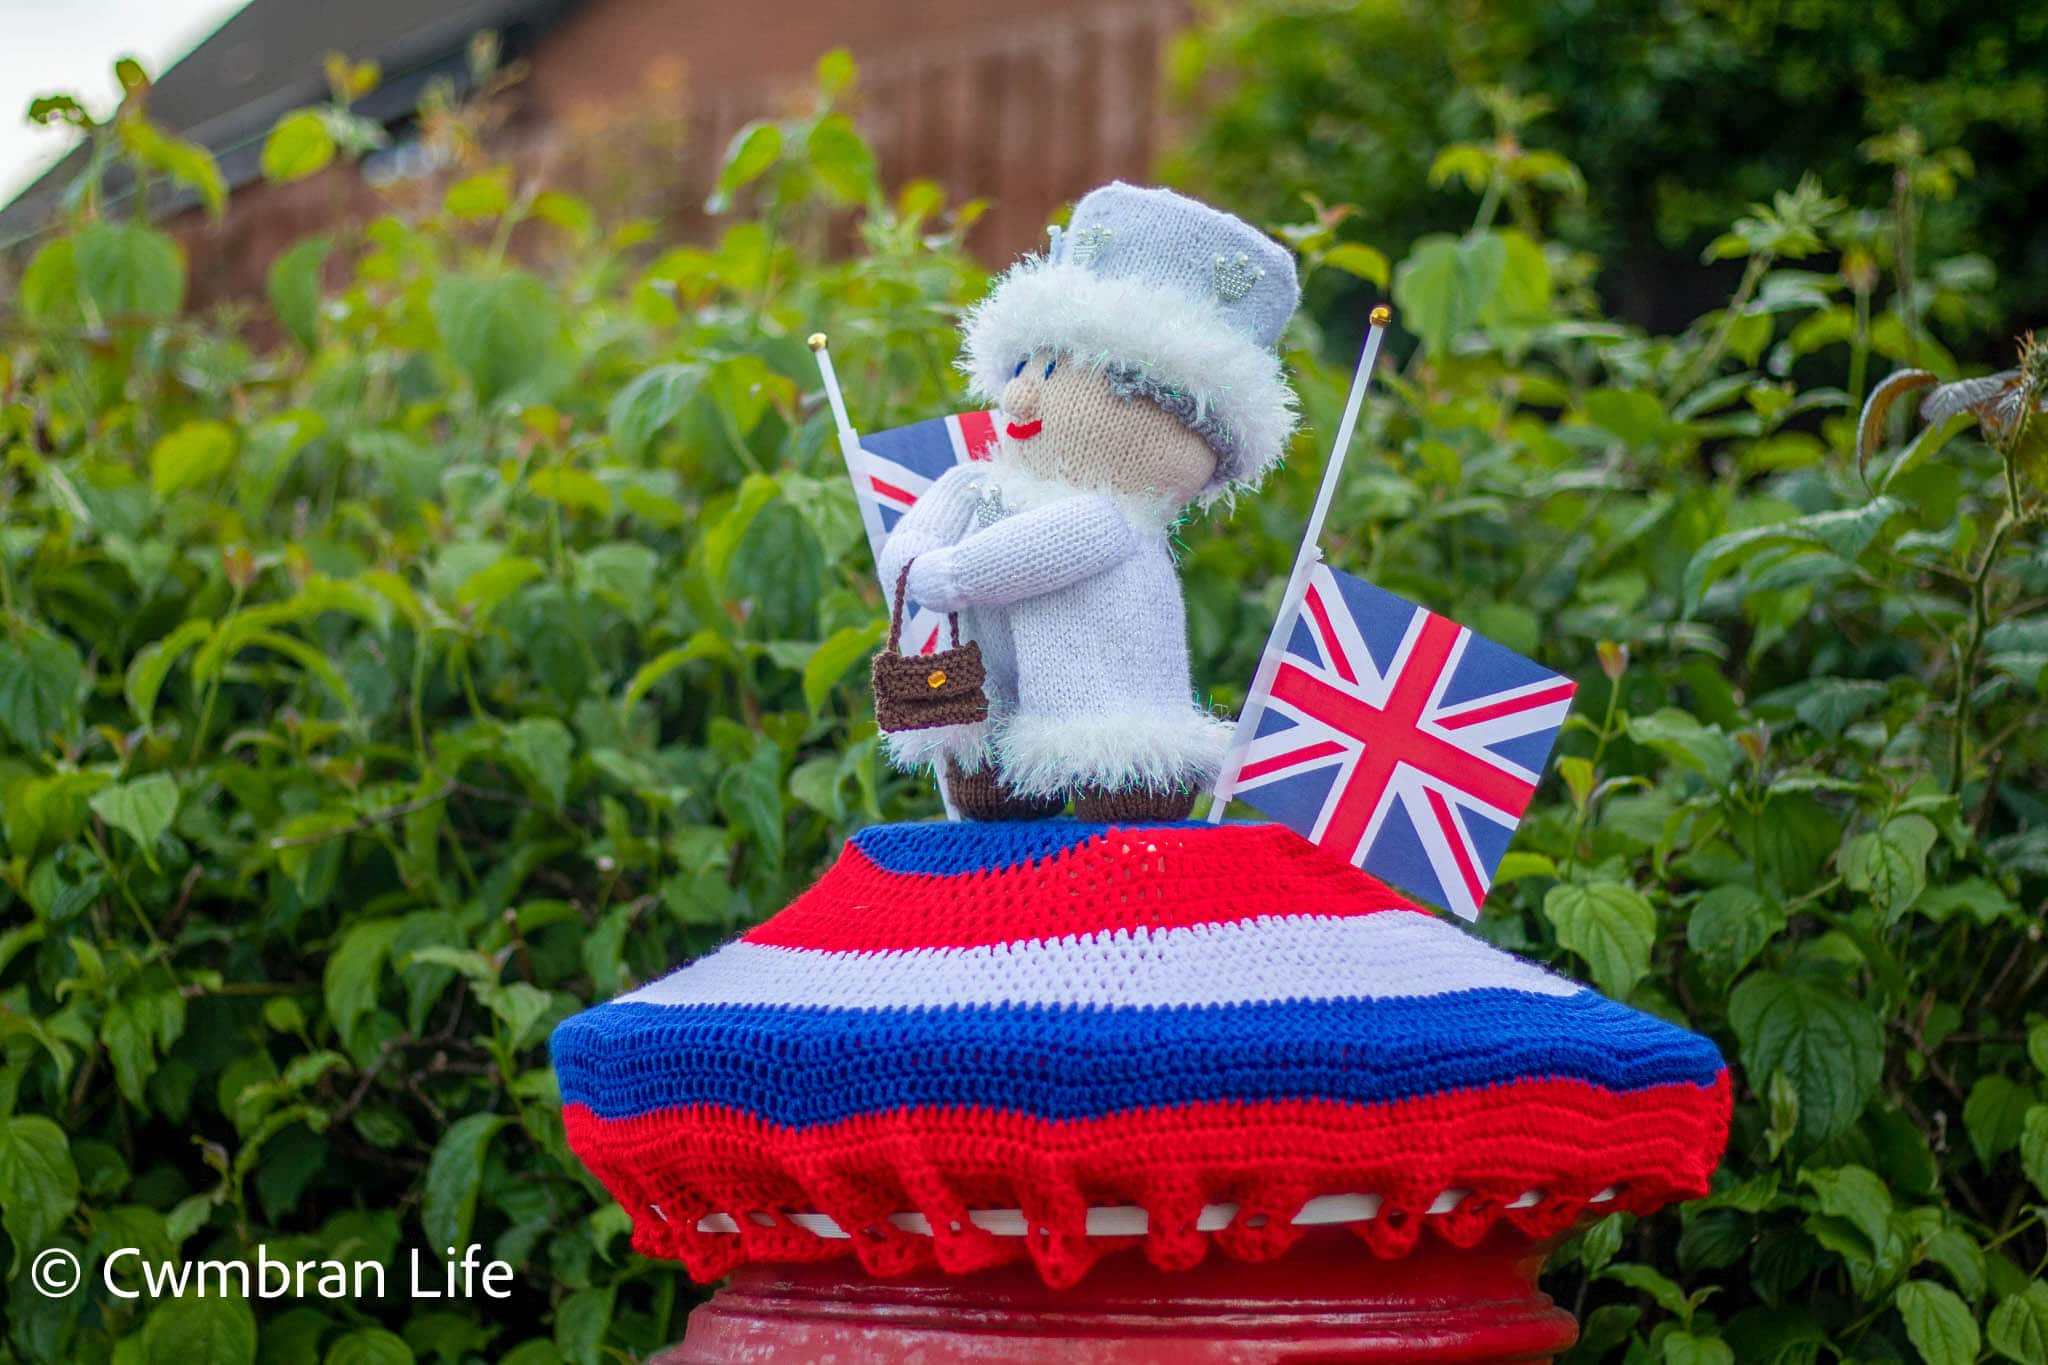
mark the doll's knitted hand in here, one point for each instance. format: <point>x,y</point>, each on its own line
<point>1035,552</point>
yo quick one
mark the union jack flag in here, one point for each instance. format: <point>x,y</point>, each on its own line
<point>896,468</point>
<point>1400,739</point>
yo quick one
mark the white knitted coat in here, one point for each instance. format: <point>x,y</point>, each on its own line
<point>1074,600</point>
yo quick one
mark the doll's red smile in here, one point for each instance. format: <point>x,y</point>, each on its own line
<point>1023,431</point>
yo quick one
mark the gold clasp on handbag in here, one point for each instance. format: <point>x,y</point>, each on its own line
<point>936,680</point>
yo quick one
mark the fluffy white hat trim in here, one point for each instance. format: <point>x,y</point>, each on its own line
<point>1175,339</point>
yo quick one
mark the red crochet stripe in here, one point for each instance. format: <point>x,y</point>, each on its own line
<point>1197,876</point>
<point>1569,1139</point>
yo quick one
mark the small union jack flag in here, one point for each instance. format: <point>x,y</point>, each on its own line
<point>1400,739</point>
<point>897,466</point>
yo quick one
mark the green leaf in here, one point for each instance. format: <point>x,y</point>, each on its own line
<point>50,293</point>
<point>1845,533</point>
<point>1890,864</point>
<point>835,73</point>
<point>130,272</point>
<point>581,1322</point>
<point>480,196</point>
<point>300,145</point>
<point>1683,738</point>
<point>1827,1044</point>
<point>1995,1115</point>
<point>542,748</point>
<point>454,1176</point>
<point>369,1346</point>
<point>40,678</point>
<point>1834,702</point>
<point>1854,1194</point>
<point>1444,286</point>
<point>844,648</point>
<point>1683,1348</point>
<point>217,1330</point>
<point>1658,1286</point>
<point>2037,1047</point>
<point>753,149</point>
<point>565,211</point>
<point>1954,1251</point>
<point>195,453</point>
<point>499,328</point>
<point>293,284</point>
<point>1636,417</point>
<point>574,489</point>
<point>705,644</point>
<point>38,1183</point>
<point>645,407</point>
<point>141,809</point>
<point>1937,1323</point>
<point>153,663</point>
<point>1608,924</point>
<point>2019,1325</point>
<point>1731,924</point>
<point>722,537</point>
<point>841,159</point>
<point>2034,1147</point>
<point>1523,298</point>
<point>1356,258</point>
<point>354,970</point>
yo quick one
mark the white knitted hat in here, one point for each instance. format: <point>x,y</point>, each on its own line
<point>1175,300</point>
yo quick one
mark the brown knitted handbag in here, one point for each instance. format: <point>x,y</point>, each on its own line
<point>919,691</point>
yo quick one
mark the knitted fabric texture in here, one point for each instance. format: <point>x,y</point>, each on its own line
<point>1078,613</point>
<point>926,691</point>
<point>1095,1036</point>
<point>1151,283</point>
<point>1090,436</point>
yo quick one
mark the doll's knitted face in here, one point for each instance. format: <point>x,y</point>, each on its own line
<point>1062,421</point>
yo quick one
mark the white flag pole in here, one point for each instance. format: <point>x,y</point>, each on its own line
<point>864,495</point>
<point>1305,561</point>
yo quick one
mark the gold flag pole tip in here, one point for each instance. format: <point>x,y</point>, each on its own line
<point>1380,316</point>
<point>816,341</point>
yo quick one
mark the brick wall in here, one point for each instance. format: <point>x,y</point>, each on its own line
<point>634,102</point>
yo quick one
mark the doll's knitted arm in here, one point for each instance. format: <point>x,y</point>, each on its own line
<point>1032,553</point>
<point>939,518</point>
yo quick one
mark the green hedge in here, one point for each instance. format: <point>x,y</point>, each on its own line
<point>1677,113</point>
<point>372,700</point>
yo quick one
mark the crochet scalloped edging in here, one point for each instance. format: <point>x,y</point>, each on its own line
<point>966,1192</point>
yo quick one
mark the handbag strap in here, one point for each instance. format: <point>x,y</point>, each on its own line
<point>896,612</point>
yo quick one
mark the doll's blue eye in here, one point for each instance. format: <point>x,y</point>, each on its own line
<point>1020,367</point>
<point>1049,368</point>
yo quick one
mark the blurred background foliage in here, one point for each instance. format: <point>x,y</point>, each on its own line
<point>372,699</point>
<point>1676,116</point>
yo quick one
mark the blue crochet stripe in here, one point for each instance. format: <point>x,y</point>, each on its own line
<point>803,1067</point>
<point>993,846</point>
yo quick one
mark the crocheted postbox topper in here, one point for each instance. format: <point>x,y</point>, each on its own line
<point>967,1044</point>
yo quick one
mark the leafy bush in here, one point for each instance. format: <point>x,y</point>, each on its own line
<point>1678,115</point>
<point>370,702</point>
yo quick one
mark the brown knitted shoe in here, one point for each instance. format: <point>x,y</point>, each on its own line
<point>981,795</point>
<point>1096,805</point>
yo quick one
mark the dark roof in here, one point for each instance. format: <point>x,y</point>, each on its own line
<point>266,60</point>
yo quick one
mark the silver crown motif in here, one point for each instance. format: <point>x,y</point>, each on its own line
<point>1089,244</point>
<point>1235,279</point>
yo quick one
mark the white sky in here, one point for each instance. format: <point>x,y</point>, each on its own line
<point>69,46</point>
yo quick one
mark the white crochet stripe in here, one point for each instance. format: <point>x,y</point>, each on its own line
<point>1126,1220</point>
<point>1180,340</point>
<point>1159,751</point>
<point>1391,955</point>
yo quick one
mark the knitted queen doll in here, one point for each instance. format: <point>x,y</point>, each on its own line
<point>1135,368</point>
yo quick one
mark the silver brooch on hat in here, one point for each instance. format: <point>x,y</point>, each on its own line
<point>1089,244</point>
<point>1235,279</point>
